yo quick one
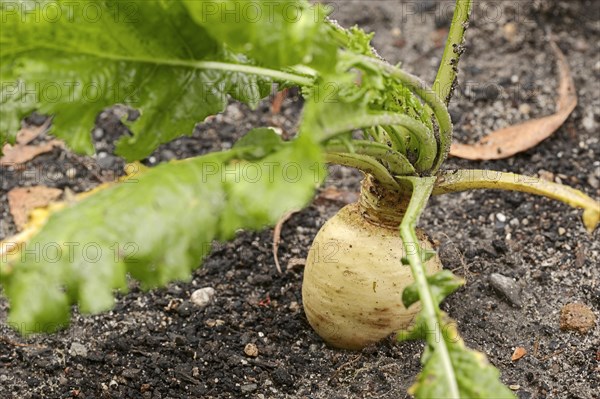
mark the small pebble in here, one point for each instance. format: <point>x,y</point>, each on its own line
<point>593,181</point>
<point>544,174</point>
<point>133,114</point>
<point>561,231</point>
<point>167,155</point>
<point>501,217</point>
<point>588,122</point>
<point>249,388</point>
<point>525,109</point>
<point>506,287</point>
<point>234,112</point>
<point>514,387</point>
<point>131,374</point>
<point>510,31</point>
<point>294,307</point>
<point>202,296</point>
<point>251,350</point>
<point>106,161</point>
<point>78,349</point>
<point>581,45</point>
<point>98,133</point>
<point>214,323</point>
<point>184,309</point>
<point>71,173</point>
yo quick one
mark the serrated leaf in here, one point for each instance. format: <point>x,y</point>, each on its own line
<point>358,41</point>
<point>441,284</point>
<point>476,378</point>
<point>276,34</point>
<point>155,226</point>
<point>382,91</point>
<point>145,54</point>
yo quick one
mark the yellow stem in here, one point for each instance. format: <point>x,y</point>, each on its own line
<point>462,180</point>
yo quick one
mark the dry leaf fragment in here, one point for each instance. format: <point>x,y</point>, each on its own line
<point>22,153</point>
<point>277,236</point>
<point>30,133</point>
<point>508,141</point>
<point>518,353</point>
<point>22,200</point>
<point>278,101</point>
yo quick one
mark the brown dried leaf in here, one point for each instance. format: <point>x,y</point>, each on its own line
<point>28,134</point>
<point>22,153</point>
<point>518,353</point>
<point>22,200</point>
<point>508,141</point>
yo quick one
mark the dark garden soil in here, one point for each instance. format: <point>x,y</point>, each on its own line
<point>158,344</point>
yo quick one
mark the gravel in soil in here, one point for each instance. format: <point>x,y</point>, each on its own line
<point>252,339</point>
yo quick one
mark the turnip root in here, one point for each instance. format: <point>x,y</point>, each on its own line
<point>354,278</point>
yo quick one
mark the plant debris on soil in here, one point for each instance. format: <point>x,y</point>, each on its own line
<point>250,337</point>
<point>513,139</point>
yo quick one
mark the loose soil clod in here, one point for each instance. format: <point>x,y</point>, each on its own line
<point>577,317</point>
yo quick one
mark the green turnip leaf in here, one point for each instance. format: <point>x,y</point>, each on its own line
<point>276,34</point>
<point>441,285</point>
<point>476,378</point>
<point>156,226</point>
<point>150,55</point>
